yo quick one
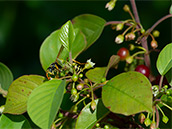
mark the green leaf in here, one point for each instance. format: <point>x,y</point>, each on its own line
<point>164,61</point>
<point>96,74</point>
<point>6,77</point>
<point>51,47</point>
<point>128,93</point>
<point>8,121</point>
<point>78,44</point>
<point>19,91</point>
<point>113,62</point>
<point>168,75</point>
<point>91,25</point>
<point>170,11</point>
<point>67,35</point>
<point>45,101</point>
<point>88,118</point>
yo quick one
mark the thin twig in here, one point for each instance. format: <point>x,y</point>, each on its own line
<point>112,22</point>
<point>158,22</point>
<point>133,4</point>
<point>157,117</point>
<point>160,82</point>
<point>143,40</point>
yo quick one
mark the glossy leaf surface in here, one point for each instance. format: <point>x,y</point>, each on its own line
<point>91,25</point>
<point>45,101</point>
<point>6,77</point>
<point>169,76</point>
<point>164,61</point>
<point>51,47</point>
<point>8,121</point>
<point>19,91</point>
<point>67,35</point>
<point>96,74</point>
<point>88,118</point>
<point>128,93</point>
<point>170,11</point>
<point>113,62</point>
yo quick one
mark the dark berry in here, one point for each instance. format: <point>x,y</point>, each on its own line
<point>143,69</point>
<point>123,53</point>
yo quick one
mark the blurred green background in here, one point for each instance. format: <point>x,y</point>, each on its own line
<point>25,24</point>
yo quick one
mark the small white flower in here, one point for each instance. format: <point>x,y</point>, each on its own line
<point>110,5</point>
<point>2,109</point>
<point>119,39</point>
<point>89,64</point>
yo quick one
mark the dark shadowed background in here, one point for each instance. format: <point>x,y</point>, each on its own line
<point>25,24</point>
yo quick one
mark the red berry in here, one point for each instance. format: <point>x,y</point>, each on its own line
<point>123,53</point>
<point>143,69</point>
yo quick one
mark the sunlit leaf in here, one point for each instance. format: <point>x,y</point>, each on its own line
<point>113,62</point>
<point>8,121</point>
<point>51,47</point>
<point>128,93</point>
<point>96,74</point>
<point>88,118</point>
<point>19,91</point>
<point>67,35</point>
<point>45,101</point>
<point>6,77</point>
<point>169,76</point>
<point>91,25</point>
<point>164,61</point>
<point>170,11</point>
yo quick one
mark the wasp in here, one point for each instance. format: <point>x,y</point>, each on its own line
<point>58,69</point>
<point>61,68</point>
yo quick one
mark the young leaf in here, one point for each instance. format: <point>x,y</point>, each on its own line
<point>96,74</point>
<point>19,91</point>
<point>78,44</point>
<point>67,35</point>
<point>8,121</point>
<point>88,118</point>
<point>114,60</point>
<point>170,11</point>
<point>91,25</point>
<point>51,47</point>
<point>45,101</point>
<point>6,77</point>
<point>168,75</point>
<point>128,93</point>
<point>164,61</point>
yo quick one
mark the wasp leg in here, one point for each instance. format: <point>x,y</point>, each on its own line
<point>78,62</point>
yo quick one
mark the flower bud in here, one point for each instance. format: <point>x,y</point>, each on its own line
<point>142,30</point>
<point>165,119</point>
<point>80,86</point>
<point>126,8</point>
<point>93,105</point>
<point>130,36</point>
<point>2,109</point>
<point>155,90</point>
<point>119,26</point>
<point>147,122</point>
<point>156,33</point>
<point>153,125</point>
<point>129,59</point>
<point>154,44</point>
<point>119,39</point>
<point>110,5</point>
<point>142,118</point>
<point>131,47</point>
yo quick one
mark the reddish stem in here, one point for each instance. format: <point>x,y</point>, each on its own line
<point>143,40</point>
